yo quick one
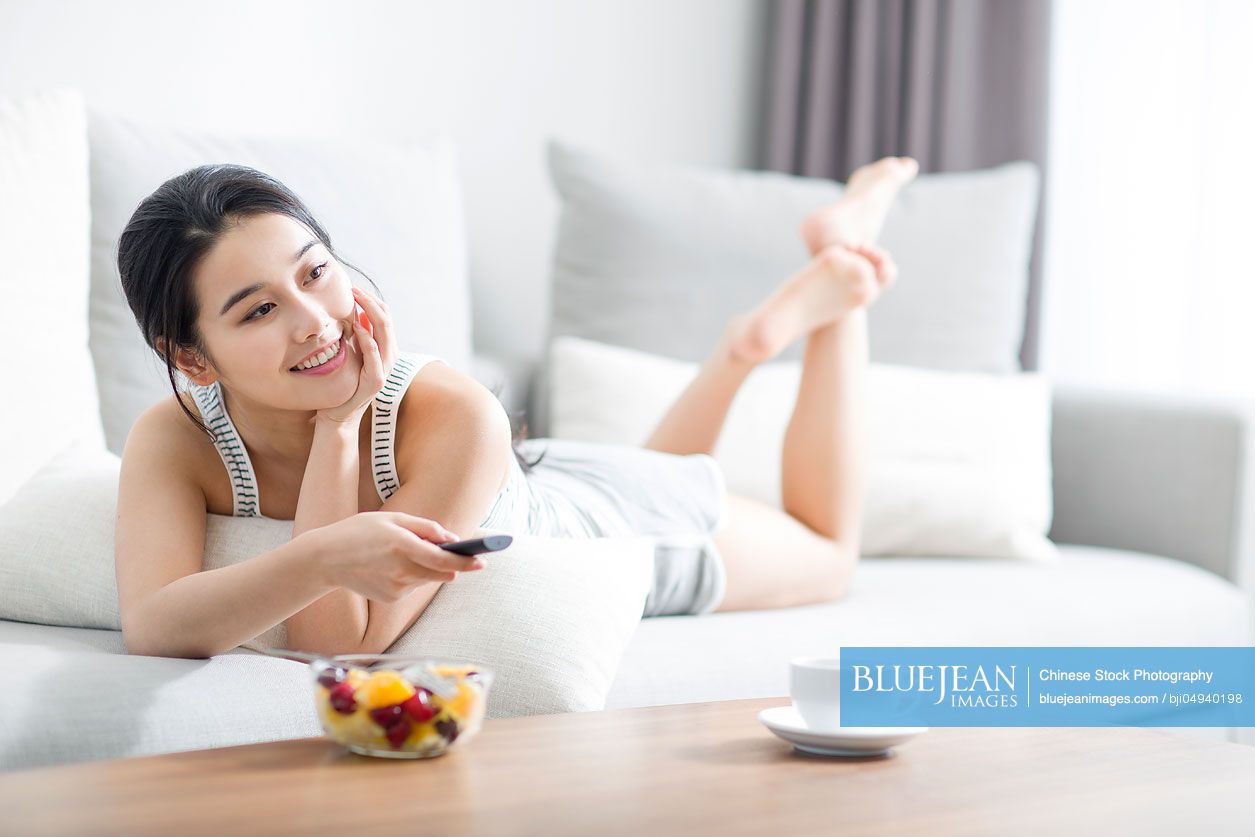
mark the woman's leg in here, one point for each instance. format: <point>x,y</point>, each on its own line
<point>834,283</point>
<point>807,552</point>
<point>803,302</point>
<point>859,215</point>
<point>772,559</point>
<point>822,465</point>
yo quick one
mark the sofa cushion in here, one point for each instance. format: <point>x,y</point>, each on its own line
<point>44,239</point>
<point>958,463</point>
<point>658,257</point>
<point>549,616</point>
<point>393,210</point>
<point>1093,596</point>
<point>154,704</point>
<point>107,704</point>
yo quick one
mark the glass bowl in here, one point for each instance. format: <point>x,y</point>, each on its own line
<point>376,705</point>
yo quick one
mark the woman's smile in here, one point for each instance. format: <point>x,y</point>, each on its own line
<point>331,364</point>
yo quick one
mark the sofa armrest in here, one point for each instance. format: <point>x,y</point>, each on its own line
<point>1168,476</point>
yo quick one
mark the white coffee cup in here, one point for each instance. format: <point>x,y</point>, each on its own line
<point>815,686</point>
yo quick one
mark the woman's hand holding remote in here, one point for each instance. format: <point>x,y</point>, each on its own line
<point>384,555</point>
<point>372,334</point>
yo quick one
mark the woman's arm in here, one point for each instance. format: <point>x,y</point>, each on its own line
<point>335,622</point>
<point>185,618</point>
<point>169,607</point>
<point>329,486</point>
<point>461,454</point>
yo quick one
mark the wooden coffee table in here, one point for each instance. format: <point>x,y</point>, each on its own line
<point>685,769</point>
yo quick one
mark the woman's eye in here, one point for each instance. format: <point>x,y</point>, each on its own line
<point>315,275</point>
<point>255,314</point>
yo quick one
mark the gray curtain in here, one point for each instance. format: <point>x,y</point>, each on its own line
<point>957,84</point>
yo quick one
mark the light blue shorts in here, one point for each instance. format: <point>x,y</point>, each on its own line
<point>602,490</point>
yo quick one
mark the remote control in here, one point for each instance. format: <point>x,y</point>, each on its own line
<point>475,546</point>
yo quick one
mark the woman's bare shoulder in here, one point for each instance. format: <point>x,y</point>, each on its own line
<point>440,400</point>
<point>168,434</point>
<point>440,394</point>
<point>167,420</point>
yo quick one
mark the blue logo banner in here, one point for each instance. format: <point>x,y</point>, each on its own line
<point>1048,687</point>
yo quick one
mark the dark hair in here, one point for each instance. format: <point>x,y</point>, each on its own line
<point>174,228</point>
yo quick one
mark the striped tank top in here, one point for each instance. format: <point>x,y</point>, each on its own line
<point>384,410</point>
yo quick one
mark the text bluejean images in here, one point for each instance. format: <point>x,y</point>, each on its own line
<point>1048,686</point>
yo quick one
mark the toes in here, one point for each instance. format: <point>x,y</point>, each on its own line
<point>862,287</point>
<point>872,253</point>
<point>857,267</point>
<point>899,169</point>
<point>885,165</point>
<point>835,257</point>
<point>888,274</point>
<point>886,269</point>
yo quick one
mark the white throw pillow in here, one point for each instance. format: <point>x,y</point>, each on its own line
<point>958,462</point>
<point>45,370</point>
<point>552,617</point>
<point>392,209</point>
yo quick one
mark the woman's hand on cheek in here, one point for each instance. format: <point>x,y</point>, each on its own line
<point>378,352</point>
<point>378,325</point>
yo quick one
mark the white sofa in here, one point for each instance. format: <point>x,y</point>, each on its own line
<point>1150,510</point>
<point>1184,464</point>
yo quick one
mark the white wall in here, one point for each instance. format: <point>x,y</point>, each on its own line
<point>671,81</point>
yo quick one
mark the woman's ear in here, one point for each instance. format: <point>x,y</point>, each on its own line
<point>190,363</point>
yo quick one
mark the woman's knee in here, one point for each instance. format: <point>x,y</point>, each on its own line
<point>774,560</point>
<point>838,570</point>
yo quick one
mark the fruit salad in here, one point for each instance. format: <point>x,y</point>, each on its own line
<point>378,711</point>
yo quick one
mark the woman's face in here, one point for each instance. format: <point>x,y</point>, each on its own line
<point>270,296</point>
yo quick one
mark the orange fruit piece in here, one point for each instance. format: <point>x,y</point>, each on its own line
<point>452,671</point>
<point>462,705</point>
<point>384,688</point>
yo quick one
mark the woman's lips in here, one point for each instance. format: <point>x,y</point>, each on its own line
<point>330,366</point>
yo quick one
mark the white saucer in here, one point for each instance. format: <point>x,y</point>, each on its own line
<point>785,722</point>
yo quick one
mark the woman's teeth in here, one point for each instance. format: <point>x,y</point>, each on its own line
<point>321,358</point>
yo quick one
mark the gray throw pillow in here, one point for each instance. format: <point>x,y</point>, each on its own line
<point>657,258</point>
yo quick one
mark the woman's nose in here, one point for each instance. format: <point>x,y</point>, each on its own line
<point>313,320</point>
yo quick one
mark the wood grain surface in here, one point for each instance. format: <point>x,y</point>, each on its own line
<point>684,769</point>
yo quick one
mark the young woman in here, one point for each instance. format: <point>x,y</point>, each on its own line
<point>302,408</point>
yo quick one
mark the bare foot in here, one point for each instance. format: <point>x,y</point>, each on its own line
<point>860,213</point>
<point>838,280</point>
